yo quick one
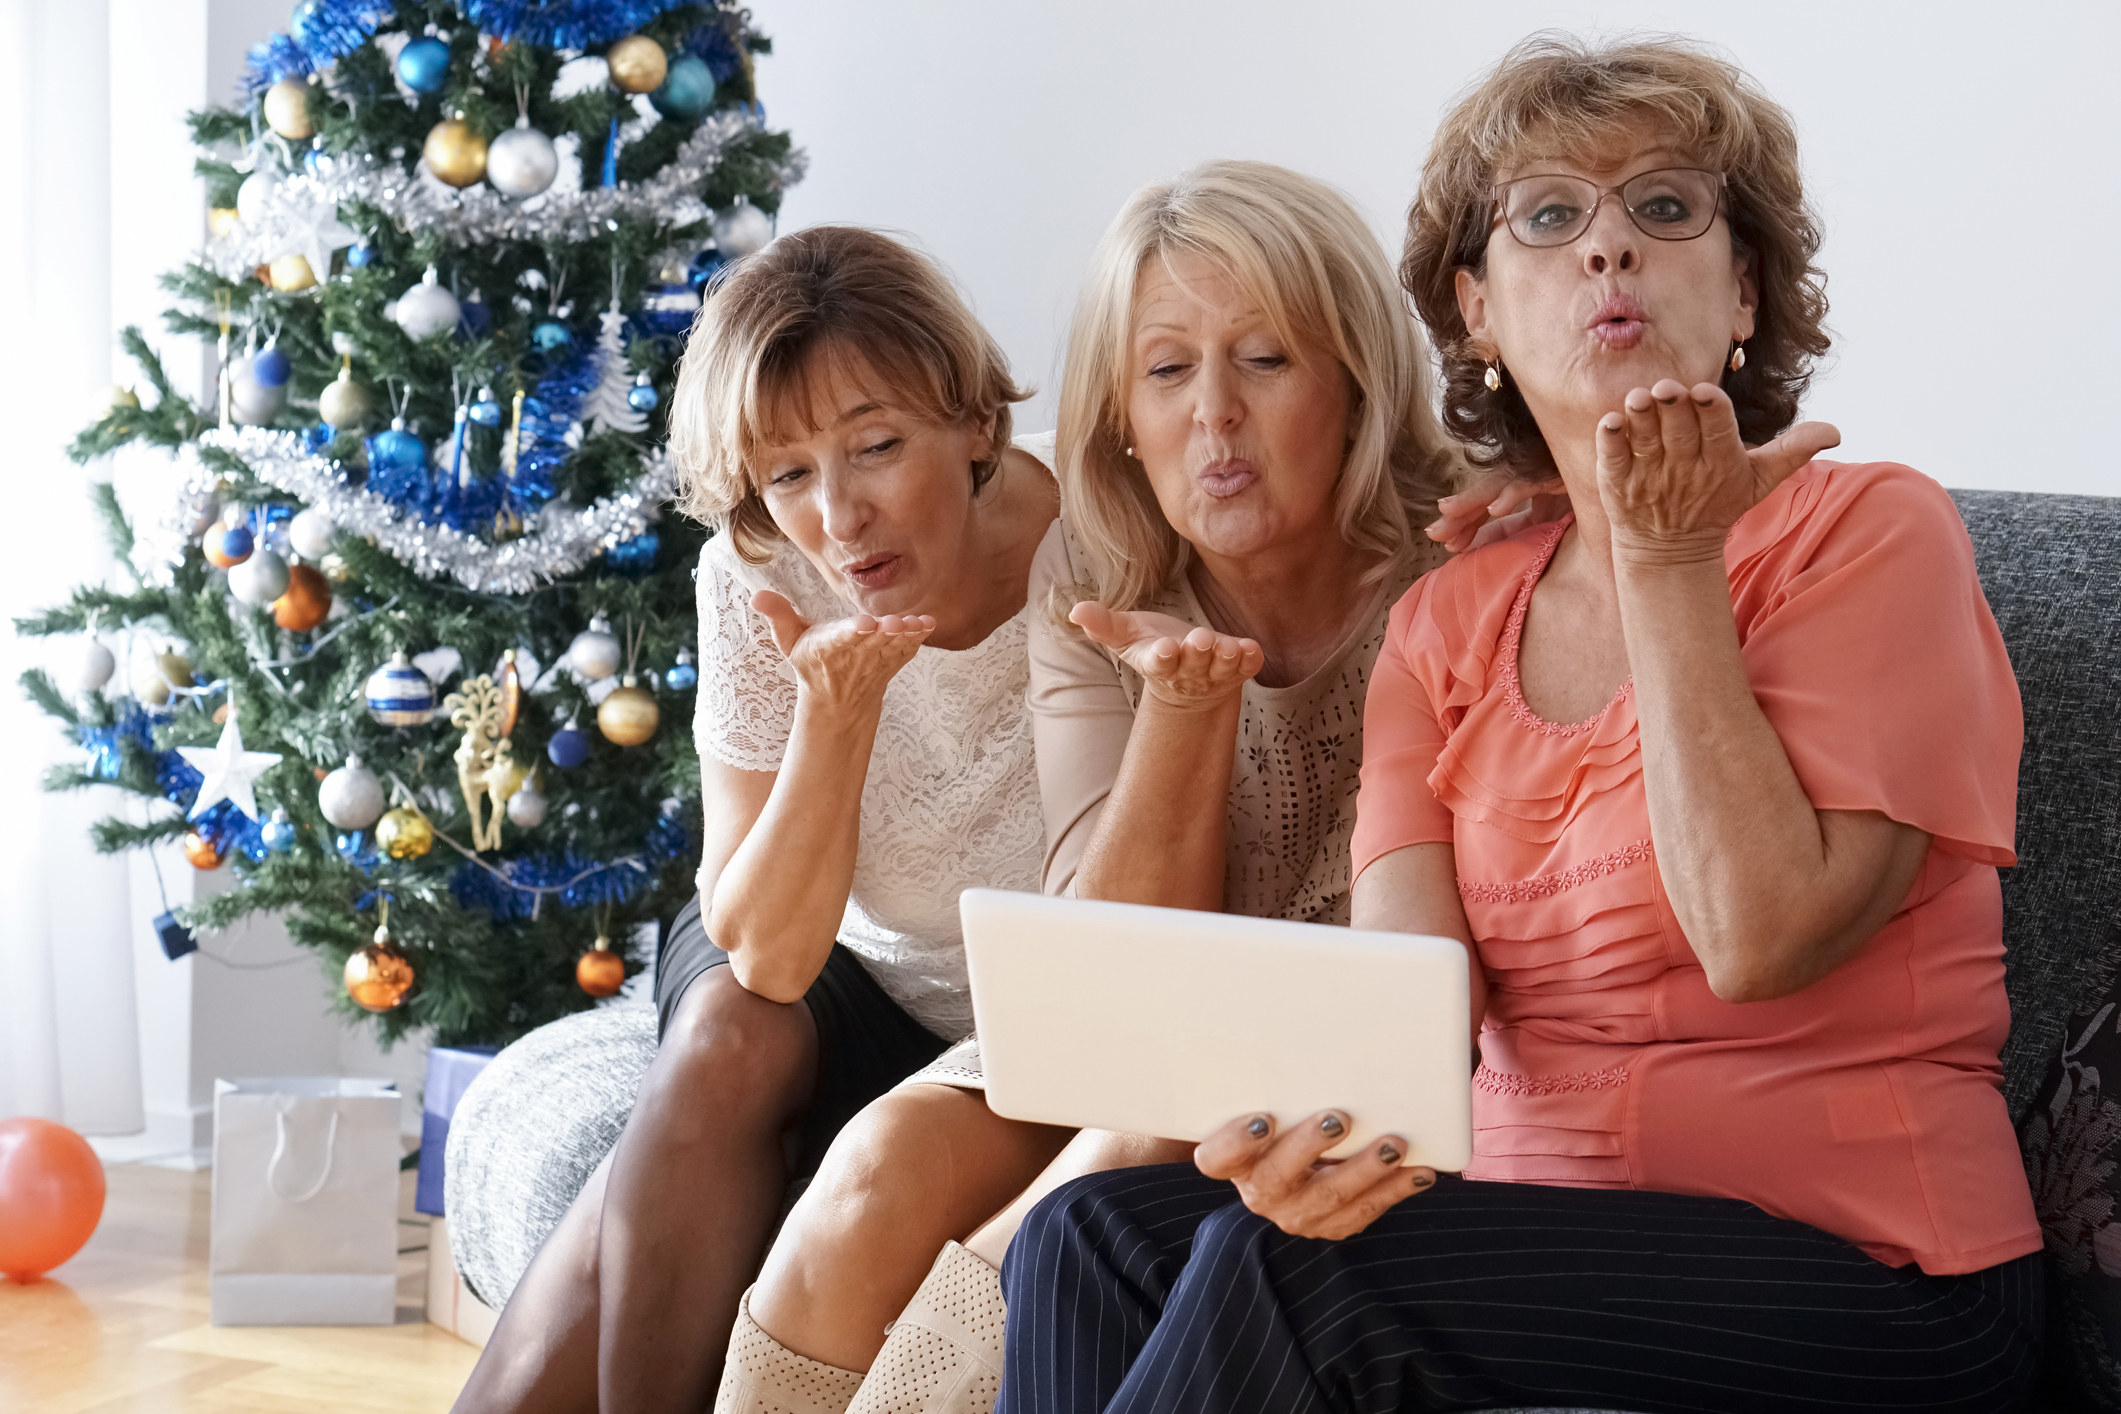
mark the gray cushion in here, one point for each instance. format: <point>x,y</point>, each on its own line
<point>2048,566</point>
<point>529,1132</point>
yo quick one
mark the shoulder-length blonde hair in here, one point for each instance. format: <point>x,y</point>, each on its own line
<point>1298,249</point>
<point>827,292</point>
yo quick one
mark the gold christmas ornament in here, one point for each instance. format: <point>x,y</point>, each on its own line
<point>600,971</point>
<point>220,220</point>
<point>287,110</point>
<point>486,772</point>
<point>291,272</point>
<point>404,833</point>
<point>176,668</point>
<point>378,976</point>
<point>343,403</point>
<point>455,152</point>
<point>628,716</point>
<point>510,684</point>
<point>638,64</point>
<point>336,570</point>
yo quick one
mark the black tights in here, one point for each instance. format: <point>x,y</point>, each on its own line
<point>629,1303</point>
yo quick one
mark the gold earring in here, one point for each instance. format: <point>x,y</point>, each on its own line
<point>1493,379</point>
<point>1738,358</point>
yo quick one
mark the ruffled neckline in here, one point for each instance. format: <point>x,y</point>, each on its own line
<point>1513,632</point>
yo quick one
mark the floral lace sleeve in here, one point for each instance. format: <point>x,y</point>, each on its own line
<point>747,690</point>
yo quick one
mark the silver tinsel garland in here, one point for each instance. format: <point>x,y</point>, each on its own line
<point>558,540</point>
<point>478,214</point>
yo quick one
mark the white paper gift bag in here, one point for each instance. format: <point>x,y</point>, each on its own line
<point>305,1202</point>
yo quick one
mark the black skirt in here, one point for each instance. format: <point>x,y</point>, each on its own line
<point>866,1042</point>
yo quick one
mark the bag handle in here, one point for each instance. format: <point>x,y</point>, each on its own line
<point>279,1152</point>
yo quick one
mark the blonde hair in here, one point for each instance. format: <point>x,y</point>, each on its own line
<point>1299,250</point>
<point>833,293</point>
<point>1555,95</point>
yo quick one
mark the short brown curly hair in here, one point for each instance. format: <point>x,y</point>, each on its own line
<point>1555,95</point>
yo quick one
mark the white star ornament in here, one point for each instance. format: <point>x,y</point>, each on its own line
<point>230,771</point>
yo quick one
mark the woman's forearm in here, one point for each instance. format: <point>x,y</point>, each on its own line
<point>777,903</point>
<point>1769,892</point>
<point>1160,839</point>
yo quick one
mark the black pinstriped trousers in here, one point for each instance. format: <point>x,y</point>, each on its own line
<point>1155,1290</point>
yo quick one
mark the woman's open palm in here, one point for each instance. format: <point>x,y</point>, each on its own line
<point>1674,475</point>
<point>846,662</point>
<point>1181,664</point>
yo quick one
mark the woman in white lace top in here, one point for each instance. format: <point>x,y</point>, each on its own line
<point>842,420</point>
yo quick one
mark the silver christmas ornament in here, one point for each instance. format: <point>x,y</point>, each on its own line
<point>351,797</point>
<point>522,161</point>
<point>527,808</point>
<point>253,403</point>
<point>259,579</point>
<point>95,667</point>
<point>427,309</point>
<point>310,534</point>
<point>254,199</point>
<point>399,694</point>
<point>742,230</point>
<point>594,653</point>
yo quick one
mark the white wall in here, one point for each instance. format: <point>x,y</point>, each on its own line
<point>1967,158</point>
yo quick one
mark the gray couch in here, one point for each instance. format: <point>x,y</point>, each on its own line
<point>532,1127</point>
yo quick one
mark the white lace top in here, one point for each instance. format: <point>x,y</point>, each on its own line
<point>951,800</point>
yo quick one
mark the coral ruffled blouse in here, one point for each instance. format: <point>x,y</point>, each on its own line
<point>1869,1104</point>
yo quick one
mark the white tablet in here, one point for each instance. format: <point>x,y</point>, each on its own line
<point>1170,1022</point>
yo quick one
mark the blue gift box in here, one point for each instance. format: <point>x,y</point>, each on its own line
<point>449,1070</point>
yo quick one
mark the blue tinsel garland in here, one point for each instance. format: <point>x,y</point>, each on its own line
<point>563,24</point>
<point>324,32</point>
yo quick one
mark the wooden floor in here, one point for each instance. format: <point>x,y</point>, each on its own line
<point>123,1326</point>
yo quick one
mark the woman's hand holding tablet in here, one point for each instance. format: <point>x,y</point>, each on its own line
<point>1286,1178</point>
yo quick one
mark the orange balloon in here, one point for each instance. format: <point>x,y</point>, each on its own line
<point>51,1196</point>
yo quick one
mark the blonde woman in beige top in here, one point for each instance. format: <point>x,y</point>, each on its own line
<point>1246,454</point>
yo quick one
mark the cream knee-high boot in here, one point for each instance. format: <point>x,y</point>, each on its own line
<point>762,1376</point>
<point>944,1353</point>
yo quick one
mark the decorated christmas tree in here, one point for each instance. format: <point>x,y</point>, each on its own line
<point>406,638</point>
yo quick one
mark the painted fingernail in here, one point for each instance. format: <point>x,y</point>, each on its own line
<point>1673,398</point>
<point>1258,1127</point>
<point>1423,1180</point>
<point>1610,423</point>
<point>1332,1124</point>
<point>1387,1155</point>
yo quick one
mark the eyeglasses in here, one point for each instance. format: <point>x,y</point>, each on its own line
<point>1670,204</point>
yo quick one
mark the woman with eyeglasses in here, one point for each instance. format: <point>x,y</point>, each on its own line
<point>1713,778</point>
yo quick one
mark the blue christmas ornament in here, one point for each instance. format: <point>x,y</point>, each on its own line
<point>705,266</point>
<point>684,675</point>
<point>568,748</point>
<point>278,833</point>
<point>642,396</point>
<point>473,317</point>
<point>399,694</point>
<point>551,335</point>
<point>270,369</point>
<point>635,556</point>
<point>236,542</point>
<point>397,466</point>
<point>423,65</point>
<point>687,91</point>
<point>668,308</point>
<point>360,254</point>
<point>486,412</point>
<point>357,849</point>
